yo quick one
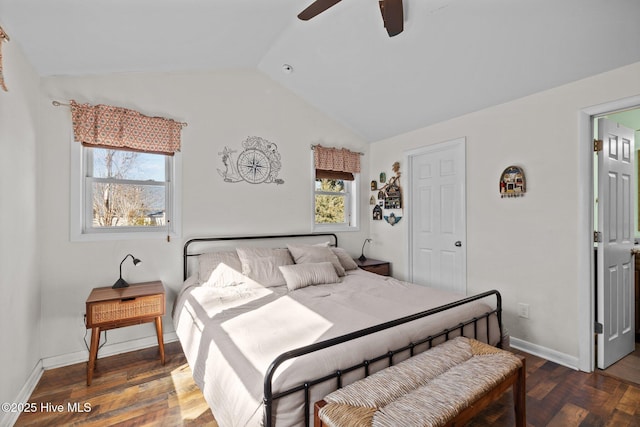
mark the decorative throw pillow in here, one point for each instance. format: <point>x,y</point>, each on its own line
<point>302,275</point>
<point>304,254</point>
<point>345,259</point>
<point>210,261</point>
<point>261,264</point>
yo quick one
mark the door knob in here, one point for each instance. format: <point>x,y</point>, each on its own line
<point>458,243</point>
<point>635,251</point>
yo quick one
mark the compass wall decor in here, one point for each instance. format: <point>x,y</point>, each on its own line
<point>258,162</point>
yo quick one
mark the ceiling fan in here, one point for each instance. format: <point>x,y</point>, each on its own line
<point>391,11</point>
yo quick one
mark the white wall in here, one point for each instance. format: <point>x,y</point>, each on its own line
<point>221,109</point>
<point>19,285</point>
<point>527,247</point>
<point>524,247</point>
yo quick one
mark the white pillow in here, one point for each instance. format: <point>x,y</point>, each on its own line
<point>302,275</point>
<point>261,264</point>
<point>210,261</point>
<point>224,276</point>
<point>345,259</point>
<point>304,254</point>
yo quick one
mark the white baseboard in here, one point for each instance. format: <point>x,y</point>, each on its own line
<point>107,350</point>
<point>9,418</point>
<point>546,353</point>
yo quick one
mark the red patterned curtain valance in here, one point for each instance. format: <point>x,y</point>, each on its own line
<point>336,159</point>
<point>120,128</point>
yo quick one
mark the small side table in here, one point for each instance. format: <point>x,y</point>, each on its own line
<point>109,308</point>
<point>377,266</point>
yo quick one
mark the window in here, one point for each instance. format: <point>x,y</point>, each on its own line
<point>335,188</point>
<point>124,168</point>
<point>121,194</point>
<point>335,204</point>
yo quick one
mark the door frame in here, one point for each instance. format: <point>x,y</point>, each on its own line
<point>408,154</point>
<point>586,259</point>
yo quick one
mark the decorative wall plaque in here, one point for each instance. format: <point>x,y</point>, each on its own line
<point>512,182</point>
<point>389,197</point>
<point>377,213</point>
<point>258,163</point>
<point>392,219</point>
<point>393,195</point>
<point>3,37</point>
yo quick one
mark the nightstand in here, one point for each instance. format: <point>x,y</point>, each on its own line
<point>109,308</point>
<point>382,268</point>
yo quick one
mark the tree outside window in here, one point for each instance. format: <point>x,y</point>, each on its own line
<point>331,201</point>
<point>127,189</point>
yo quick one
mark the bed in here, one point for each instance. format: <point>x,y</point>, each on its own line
<point>271,324</point>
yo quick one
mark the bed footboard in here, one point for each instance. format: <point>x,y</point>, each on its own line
<point>270,397</point>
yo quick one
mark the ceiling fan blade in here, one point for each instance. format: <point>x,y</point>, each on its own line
<point>393,16</point>
<point>316,8</point>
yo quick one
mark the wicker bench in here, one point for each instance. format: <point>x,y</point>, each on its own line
<point>446,385</point>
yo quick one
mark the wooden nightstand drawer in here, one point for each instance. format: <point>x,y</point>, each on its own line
<point>382,269</point>
<point>376,266</point>
<point>127,309</point>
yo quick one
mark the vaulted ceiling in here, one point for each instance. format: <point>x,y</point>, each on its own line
<point>453,57</point>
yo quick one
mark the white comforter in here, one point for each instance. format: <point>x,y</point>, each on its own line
<point>231,334</point>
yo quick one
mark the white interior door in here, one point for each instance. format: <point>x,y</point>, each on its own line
<point>437,216</point>
<point>615,288</point>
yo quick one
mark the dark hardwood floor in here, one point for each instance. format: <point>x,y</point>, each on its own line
<point>560,397</point>
<point>130,389</point>
<point>134,389</point>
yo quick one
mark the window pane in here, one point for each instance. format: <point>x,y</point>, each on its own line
<point>330,185</point>
<point>126,205</point>
<point>330,209</point>
<point>128,165</point>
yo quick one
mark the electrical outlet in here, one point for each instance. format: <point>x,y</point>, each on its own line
<point>523,310</point>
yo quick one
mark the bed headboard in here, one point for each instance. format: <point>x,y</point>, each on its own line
<point>200,245</point>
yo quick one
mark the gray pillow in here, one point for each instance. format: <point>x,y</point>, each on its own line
<point>305,254</point>
<point>345,259</point>
<point>261,264</point>
<point>302,275</point>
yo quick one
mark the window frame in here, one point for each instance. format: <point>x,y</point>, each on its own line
<point>351,206</point>
<point>82,206</point>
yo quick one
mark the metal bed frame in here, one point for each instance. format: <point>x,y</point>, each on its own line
<point>270,397</point>
<point>186,254</point>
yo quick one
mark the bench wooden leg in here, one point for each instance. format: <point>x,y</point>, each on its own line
<point>520,395</point>
<point>317,422</point>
